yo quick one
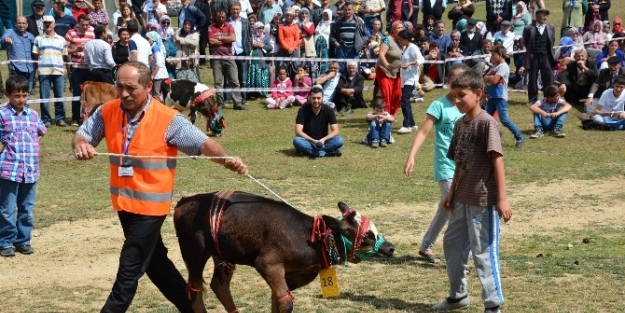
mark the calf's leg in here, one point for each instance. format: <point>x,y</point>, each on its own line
<point>220,284</point>
<point>273,273</point>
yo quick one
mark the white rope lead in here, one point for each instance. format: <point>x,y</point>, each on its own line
<point>195,157</point>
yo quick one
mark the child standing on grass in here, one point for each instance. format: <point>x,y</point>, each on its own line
<point>442,115</point>
<point>20,132</point>
<point>477,199</point>
<point>380,124</point>
<point>497,78</point>
<point>302,80</point>
<point>411,60</point>
<point>283,97</point>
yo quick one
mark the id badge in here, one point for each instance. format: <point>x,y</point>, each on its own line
<point>125,171</point>
<point>329,283</point>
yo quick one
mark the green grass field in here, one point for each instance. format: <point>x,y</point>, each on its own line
<point>561,191</point>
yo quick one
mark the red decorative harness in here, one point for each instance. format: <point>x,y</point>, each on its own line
<point>363,227</point>
<point>321,233</point>
<point>216,210</point>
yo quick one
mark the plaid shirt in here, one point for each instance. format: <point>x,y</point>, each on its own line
<point>99,18</point>
<point>19,134</point>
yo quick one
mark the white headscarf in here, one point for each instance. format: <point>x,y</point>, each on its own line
<point>323,25</point>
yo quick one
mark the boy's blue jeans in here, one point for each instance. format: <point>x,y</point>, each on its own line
<point>379,132</point>
<point>548,123</point>
<point>501,106</point>
<point>16,205</point>
<point>304,146</point>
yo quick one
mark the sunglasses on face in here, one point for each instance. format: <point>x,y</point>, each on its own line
<point>166,23</point>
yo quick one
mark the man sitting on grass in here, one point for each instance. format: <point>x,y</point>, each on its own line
<point>609,111</point>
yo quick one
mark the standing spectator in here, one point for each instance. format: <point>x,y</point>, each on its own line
<point>63,22</point>
<point>80,7</point>
<point>246,8</point>
<point>289,36</point>
<point>121,52</point>
<point>205,8</point>
<point>221,35</point>
<point>142,198</point>
<point>322,40</point>
<point>348,35</point>
<point>549,114</point>
<point>349,90</point>
<point>521,19</point>
<point>76,39</point>
<point>398,10</point>
<point>118,13</point>
<point>439,35</point>
<point>339,8</point>
<point>497,79</point>
<point>312,137</point>
<point>21,130</point>
<point>497,11</point>
<point>539,38</point>
<point>471,40</point>
<point>99,56</point>
<point>267,11</point>
<point>137,8</point>
<point>50,49</point>
<point>98,15</point>
<point>463,10</point>
<point>19,45</point>
<point>191,13</point>
<point>595,13</point>
<point>217,5</point>
<point>258,73</point>
<point>186,40</point>
<point>6,20</point>
<point>325,4</point>
<point>387,72</point>
<point>158,71</point>
<point>242,45</point>
<point>535,5</point>
<point>126,15</point>
<point>139,48</point>
<point>432,8</point>
<point>315,11</point>
<point>411,61</point>
<point>271,35</point>
<point>66,7</point>
<point>574,11</point>
<point>35,21</point>
<point>152,12</point>
<point>372,11</point>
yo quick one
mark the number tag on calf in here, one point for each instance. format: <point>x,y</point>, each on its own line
<point>329,283</point>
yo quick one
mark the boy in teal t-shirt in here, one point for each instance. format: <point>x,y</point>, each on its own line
<point>442,115</point>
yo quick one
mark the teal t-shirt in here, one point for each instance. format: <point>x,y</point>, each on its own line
<point>446,115</point>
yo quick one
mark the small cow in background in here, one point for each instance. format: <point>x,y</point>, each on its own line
<point>197,98</point>
<point>287,247</point>
<point>93,94</point>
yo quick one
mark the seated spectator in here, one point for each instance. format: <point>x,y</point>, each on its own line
<point>302,80</point>
<point>482,65</point>
<point>380,123</point>
<point>329,81</point>
<point>507,37</point>
<point>283,97</point>
<point>440,36</point>
<point>349,90</point>
<point>520,77</point>
<point>432,70</point>
<point>607,30</point>
<point>577,78</point>
<point>312,137</point>
<point>595,38</point>
<point>419,35</point>
<point>549,114</point>
<point>563,56</point>
<point>578,41</point>
<point>610,109</point>
<point>613,50</point>
<point>429,25</point>
<point>605,80</point>
<point>455,50</point>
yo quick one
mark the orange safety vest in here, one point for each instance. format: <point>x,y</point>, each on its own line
<point>149,191</point>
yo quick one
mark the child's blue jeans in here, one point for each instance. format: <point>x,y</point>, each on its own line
<point>379,131</point>
<point>16,213</point>
<point>548,123</point>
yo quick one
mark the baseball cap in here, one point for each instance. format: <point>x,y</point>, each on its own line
<point>48,18</point>
<point>38,3</point>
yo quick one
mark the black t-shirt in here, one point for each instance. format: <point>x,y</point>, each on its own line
<point>315,126</point>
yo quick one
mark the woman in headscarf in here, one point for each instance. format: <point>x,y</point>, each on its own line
<point>595,38</point>
<point>578,41</point>
<point>322,41</point>
<point>186,40</point>
<point>387,72</point>
<point>564,55</point>
<point>463,10</point>
<point>461,25</point>
<point>164,28</point>
<point>613,50</point>
<point>308,39</point>
<point>159,71</point>
<point>521,19</point>
<point>258,72</point>
<point>617,25</point>
<point>573,14</point>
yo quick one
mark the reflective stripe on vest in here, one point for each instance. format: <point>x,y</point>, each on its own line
<point>140,195</point>
<point>146,164</point>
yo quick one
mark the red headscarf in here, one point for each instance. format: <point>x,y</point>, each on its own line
<point>394,31</point>
<point>617,28</point>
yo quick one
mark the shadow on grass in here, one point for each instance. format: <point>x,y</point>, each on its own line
<point>407,260</point>
<point>291,153</point>
<point>386,304</point>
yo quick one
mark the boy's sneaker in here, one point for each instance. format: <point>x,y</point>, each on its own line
<point>25,249</point>
<point>446,305</point>
<point>404,130</point>
<point>391,140</point>
<point>519,144</point>
<point>415,128</point>
<point>7,252</point>
<point>383,143</point>
<point>537,134</point>
<point>558,133</point>
<point>75,124</point>
<point>375,143</point>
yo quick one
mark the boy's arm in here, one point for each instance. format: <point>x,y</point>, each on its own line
<point>566,107</point>
<point>535,108</point>
<point>390,118</point>
<point>503,207</point>
<point>493,79</point>
<point>370,116</point>
<point>417,143</point>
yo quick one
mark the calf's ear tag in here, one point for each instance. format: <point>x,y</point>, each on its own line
<point>329,283</point>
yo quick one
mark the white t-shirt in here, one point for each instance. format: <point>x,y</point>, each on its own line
<point>151,9</point>
<point>143,48</point>
<point>246,8</point>
<point>410,75</point>
<point>508,40</point>
<point>611,104</point>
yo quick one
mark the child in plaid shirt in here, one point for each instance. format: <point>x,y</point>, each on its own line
<point>20,132</point>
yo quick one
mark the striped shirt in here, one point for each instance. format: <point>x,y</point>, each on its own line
<point>51,50</point>
<point>19,133</point>
<point>180,133</point>
<point>76,38</point>
<point>347,32</point>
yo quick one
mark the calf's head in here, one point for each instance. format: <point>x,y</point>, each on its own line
<point>359,236</point>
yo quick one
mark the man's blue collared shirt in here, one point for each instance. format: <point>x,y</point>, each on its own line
<point>19,50</point>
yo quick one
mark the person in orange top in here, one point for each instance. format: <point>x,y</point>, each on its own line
<point>142,188</point>
<point>289,38</point>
